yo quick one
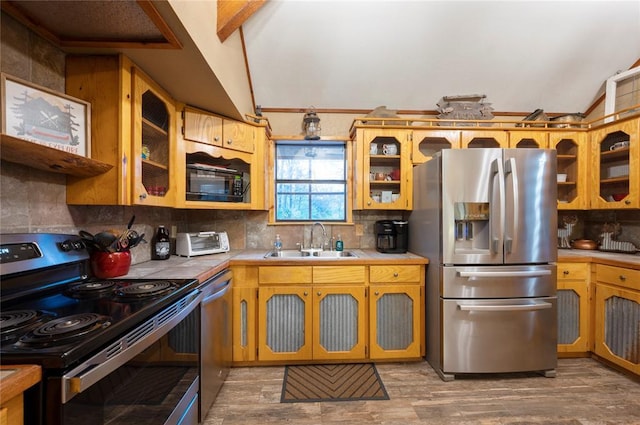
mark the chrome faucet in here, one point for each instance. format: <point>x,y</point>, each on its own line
<point>324,234</point>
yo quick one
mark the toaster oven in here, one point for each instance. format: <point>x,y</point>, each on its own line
<point>202,243</point>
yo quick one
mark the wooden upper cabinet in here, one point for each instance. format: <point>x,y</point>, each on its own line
<point>201,126</point>
<point>484,139</point>
<point>238,136</point>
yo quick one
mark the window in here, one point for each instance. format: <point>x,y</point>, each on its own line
<point>311,181</point>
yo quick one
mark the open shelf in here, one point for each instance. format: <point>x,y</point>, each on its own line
<point>42,157</point>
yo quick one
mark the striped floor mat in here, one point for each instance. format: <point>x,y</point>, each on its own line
<point>341,382</point>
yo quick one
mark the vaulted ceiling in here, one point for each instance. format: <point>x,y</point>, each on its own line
<point>523,55</point>
<point>355,55</point>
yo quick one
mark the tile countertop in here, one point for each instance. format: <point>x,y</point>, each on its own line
<point>631,261</point>
<point>204,266</point>
<point>15,379</point>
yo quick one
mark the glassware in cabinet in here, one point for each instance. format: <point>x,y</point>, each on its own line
<point>616,166</point>
<point>385,166</point>
<point>571,168</point>
<point>153,141</point>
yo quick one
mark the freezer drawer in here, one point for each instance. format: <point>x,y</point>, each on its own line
<point>499,281</point>
<point>500,335</point>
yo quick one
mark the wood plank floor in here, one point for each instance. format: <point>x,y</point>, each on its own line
<point>584,393</point>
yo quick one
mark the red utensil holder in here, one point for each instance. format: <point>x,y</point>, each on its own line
<point>110,264</point>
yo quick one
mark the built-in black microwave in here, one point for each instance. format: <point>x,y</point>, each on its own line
<point>212,183</point>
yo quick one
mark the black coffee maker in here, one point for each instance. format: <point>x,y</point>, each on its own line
<point>392,236</point>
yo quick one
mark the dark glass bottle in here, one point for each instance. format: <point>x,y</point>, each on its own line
<point>161,245</point>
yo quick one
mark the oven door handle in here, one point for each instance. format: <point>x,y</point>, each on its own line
<point>126,347</point>
<point>537,305</point>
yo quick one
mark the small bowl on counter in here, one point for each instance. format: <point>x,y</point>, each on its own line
<point>584,244</point>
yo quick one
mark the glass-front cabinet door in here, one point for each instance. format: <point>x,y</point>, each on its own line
<point>386,170</point>
<point>571,150</point>
<point>484,139</point>
<point>154,136</point>
<point>528,139</point>
<point>616,165</point>
<point>426,143</point>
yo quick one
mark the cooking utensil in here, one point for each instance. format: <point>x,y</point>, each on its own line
<point>567,120</point>
<point>130,224</point>
<point>89,240</point>
<point>135,240</point>
<point>105,241</point>
<point>584,244</point>
<point>537,115</point>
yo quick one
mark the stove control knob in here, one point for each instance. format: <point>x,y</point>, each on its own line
<point>70,245</point>
<point>67,245</point>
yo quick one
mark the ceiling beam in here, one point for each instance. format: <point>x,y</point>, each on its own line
<point>233,13</point>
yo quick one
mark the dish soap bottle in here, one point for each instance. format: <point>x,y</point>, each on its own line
<point>339,244</point>
<point>277,244</point>
<point>161,245</point>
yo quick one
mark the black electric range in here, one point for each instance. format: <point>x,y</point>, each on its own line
<point>56,315</point>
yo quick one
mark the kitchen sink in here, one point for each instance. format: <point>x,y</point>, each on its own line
<point>294,253</point>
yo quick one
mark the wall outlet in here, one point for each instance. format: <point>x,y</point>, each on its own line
<point>359,229</point>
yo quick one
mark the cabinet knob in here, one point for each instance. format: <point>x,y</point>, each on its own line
<point>627,202</point>
<point>143,196</point>
<point>319,293</point>
<point>377,293</point>
<point>566,272</point>
<point>305,293</point>
<point>622,277</point>
<point>395,274</point>
<point>229,141</point>
<point>215,139</point>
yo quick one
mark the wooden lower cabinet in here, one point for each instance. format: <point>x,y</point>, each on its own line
<point>244,324</point>
<point>317,322</point>
<point>617,316</point>
<point>305,313</point>
<point>573,308</point>
<point>395,317</point>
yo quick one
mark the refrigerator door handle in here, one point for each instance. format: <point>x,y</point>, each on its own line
<point>510,233</point>
<point>497,212</point>
<point>536,305</point>
<point>491,274</point>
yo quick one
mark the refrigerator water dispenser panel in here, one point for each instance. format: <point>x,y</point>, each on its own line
<point>471,225</point>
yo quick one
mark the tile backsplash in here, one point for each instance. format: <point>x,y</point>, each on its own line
<point>590,224</point>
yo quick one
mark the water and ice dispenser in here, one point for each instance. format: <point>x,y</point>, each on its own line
<point>471,229</point>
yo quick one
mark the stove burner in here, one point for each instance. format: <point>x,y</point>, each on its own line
<point>96,289</point>
<point>16,322</point>
<point>139,290</point>
<point>64,330</point>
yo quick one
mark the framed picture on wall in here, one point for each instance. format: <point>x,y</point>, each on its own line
<point>40,115</point>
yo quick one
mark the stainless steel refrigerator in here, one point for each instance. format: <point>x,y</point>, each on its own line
<point>487,221</point>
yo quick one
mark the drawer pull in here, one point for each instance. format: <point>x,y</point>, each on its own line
<point>622,277</point>
<point>566,272</point>
<point>395,274</point>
